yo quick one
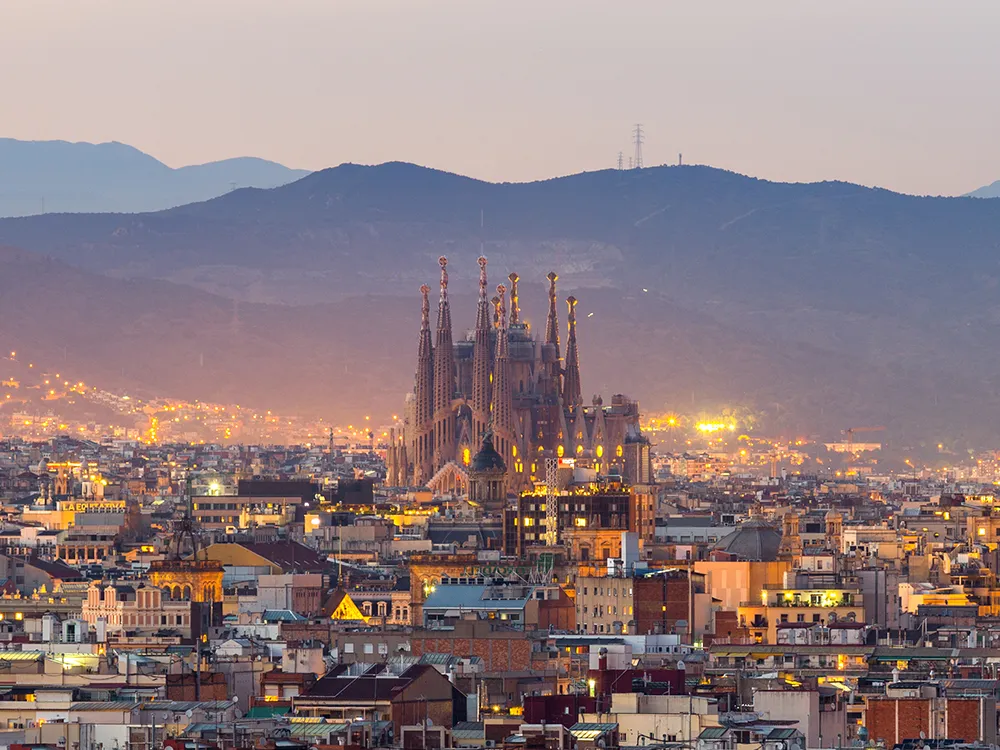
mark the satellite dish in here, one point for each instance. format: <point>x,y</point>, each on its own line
<point>189,713</point>
<point>795,746</point>
<point>923,736</point>
<point>680,665</point>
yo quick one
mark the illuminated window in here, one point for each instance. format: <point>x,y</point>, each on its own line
<point>619,451</point>
<point>513,451</point>
<point>579,449</point>
<point>600,451</point>
<point>580,522</point>
<point>528,521</point>
<point>560,451</point>
<point>466,456</point>
<point>982,531</point>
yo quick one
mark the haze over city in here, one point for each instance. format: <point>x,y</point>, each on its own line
<point>892,94</point>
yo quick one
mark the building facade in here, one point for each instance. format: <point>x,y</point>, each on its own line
<point>521,387</point>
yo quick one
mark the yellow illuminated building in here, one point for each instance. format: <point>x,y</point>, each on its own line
<point>344,608</point>
<point>791,605</point>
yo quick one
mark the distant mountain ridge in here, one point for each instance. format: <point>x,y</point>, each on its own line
<point>986,191</point>
<point>39,177</point>
<point>823,305</point>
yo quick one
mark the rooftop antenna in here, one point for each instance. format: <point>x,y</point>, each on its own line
<point>621,161</point>
<point>680,160</point>
<point>637,139</point>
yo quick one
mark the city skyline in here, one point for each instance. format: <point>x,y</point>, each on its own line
<point>777,91</point>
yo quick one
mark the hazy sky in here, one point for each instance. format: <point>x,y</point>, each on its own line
<point>899,93</point>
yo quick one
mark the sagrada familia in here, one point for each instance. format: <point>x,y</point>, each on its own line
<point>502,389</point>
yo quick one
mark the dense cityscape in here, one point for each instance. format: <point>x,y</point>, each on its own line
<point>503,563</point>
<point>499,375</point>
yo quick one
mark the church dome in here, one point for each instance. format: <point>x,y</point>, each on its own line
<point>487,458</point>
<point>755,540</point>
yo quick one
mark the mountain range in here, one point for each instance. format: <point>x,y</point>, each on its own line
<point>38,177</point>
<point>818,306</point>
<point>987,191</point>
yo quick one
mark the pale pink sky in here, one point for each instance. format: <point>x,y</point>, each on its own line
<point>899,93</point>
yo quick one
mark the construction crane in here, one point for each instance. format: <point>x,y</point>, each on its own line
<point>551,502</point>
<point>850,431</point>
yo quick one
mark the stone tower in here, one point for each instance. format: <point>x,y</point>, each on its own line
<point>423,421</point>
<point>515,300</point>
<point>444,378</point>
<point>834,532</point>
<point>791,541</point>
<point>488,477</point>
<point>181,575</point>
<point>482,360</point>
<point>503,408</point>
<point>552,337</point>
<point>571,385</point>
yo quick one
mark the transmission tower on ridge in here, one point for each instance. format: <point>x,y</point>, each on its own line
<point>621,161</point>
<point>637,139</point>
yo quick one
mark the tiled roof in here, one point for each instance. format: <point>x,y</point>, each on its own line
<point>588,732</point>
<point>104,706</point>
<point>449,596</point>
<point>56,570</point>
<point>281,615</point>
<point>713,733</point>
<point>290,556</point>
<point>366,688</point>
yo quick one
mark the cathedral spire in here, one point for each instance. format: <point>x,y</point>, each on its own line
<point>423,428</point>
<point>503,407</point>
<point>571,385</point>
<point>515,307</point>
<point>444,377</point>
<point>552,322</point>
<point>482,360</point>
<point>553,382</point>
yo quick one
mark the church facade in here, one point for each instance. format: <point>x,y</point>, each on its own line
<point>504,380</point>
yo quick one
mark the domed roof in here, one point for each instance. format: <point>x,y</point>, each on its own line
<point>754,540</point>
<point>487,458</point>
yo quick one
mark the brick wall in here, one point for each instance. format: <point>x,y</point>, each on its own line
<point>963,718</point>
<point>498,654</point>
<point>655,593</point>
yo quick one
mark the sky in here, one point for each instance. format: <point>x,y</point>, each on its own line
<point>902,94</point>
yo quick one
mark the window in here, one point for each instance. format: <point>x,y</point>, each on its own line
<point>348,648</point>
<point>368,648</point>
